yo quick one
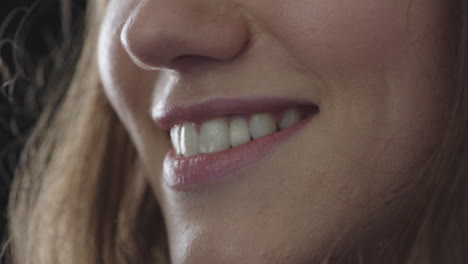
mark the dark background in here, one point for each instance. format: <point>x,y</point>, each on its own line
<point>30,32</point>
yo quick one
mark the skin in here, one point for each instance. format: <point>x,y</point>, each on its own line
<point>379,70</point>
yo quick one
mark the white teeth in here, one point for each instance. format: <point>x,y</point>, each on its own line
<point>189,145</point>
<point>290,118</point>
<point>214,136</point>
<point>261,125</point>
<point>175,138</point>
<point>218,135</point>
<point>239,132</point>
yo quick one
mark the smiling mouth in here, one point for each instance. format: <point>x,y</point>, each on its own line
<point>230,131</point>
<point>213,139</point>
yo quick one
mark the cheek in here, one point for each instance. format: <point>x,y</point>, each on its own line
<point>381,63</point>
<point>336,35</point>
<point>129,89</point>
<point>126,85</point>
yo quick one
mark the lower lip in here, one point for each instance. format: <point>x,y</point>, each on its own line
<point>193,173</point>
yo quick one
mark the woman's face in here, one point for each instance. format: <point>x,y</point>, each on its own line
<point>253,173</point>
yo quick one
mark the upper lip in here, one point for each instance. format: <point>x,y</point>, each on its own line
<point>167,115</point>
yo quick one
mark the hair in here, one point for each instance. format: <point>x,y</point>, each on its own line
<point>73,200</point>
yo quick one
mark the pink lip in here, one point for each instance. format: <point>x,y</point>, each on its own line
<point>167,116</point>
<point>191,173</point>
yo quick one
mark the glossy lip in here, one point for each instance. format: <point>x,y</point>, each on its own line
<point>192,173</point>
<point>167,116</point>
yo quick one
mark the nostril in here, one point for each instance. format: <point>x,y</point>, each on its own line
<point>155,38</point>
<point>186,62</point>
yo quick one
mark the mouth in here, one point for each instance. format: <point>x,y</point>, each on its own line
<point>213,139</point>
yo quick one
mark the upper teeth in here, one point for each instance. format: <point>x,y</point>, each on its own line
<point>218,134</point>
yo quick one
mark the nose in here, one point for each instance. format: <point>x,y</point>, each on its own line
<point>161,33</point>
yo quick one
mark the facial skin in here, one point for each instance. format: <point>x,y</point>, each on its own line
<point>379,70</point>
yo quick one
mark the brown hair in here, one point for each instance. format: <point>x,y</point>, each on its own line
<point>73,202</point>
<point>68,203</point>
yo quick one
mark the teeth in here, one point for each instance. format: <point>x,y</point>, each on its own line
<point>175,138</point>
<point>261,125</point>
<point>189,145</point>
<point>290,118</point>
<point>214,136</point>
<point>239,132</point>
<point>218,135</point>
